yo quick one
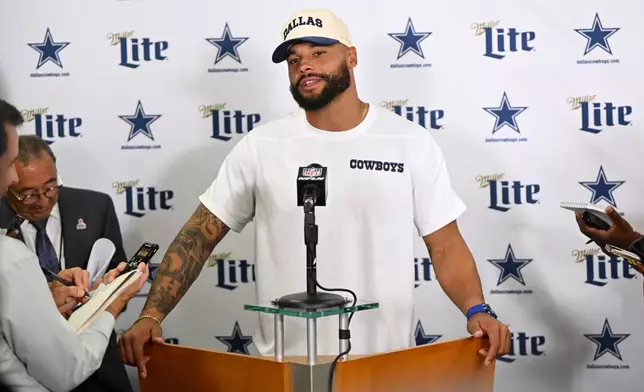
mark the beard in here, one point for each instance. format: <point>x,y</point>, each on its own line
<point>336,84</point>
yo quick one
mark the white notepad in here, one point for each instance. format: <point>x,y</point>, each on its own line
<point>102,297</point>
<point>592,208</point>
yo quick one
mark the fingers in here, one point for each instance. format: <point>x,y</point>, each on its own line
<point>114,273</point>
<point>80,277</point>
<point>505,340</point>
<point>157,335</point>
<point>143,267</point>
<point>493,333</point>
<point>66,309</point>
<point>610,211</point>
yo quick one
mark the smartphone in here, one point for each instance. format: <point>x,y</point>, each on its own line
<point>630,257</point>
<point>14,226</point>
<point>143,255</point>
<point>593,221</point>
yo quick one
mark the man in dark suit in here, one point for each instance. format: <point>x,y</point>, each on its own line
<point>61,225</point>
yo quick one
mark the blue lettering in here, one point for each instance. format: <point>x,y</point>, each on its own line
<point>135,50</point>
<point>421,116</point>
<point>136,203</point>
<point>50,127</point>
<point>422,270</point>
<point>227,122</point>
<point>495,41</point>
<point>597,114</point>
<point>523,345</point>
<point>236,272</point>
<point>502,201</point>
<point>596,273</point>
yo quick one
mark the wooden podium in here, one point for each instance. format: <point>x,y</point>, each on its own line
<point>453,366</point>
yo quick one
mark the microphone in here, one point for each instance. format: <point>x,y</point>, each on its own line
<point>99,258</point>
<point>311,186</point>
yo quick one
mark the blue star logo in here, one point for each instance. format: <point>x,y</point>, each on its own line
<point>510,266</point>
<point>505,114</point>
<point>410,40</point>
<point>49,50</point>
<point>597,36</point>
<point>602,189</point>
<point>140,122</point>
<point>227,45</point>
<point>237,342</point>
<point>422,338</point>
<point>607,341</point>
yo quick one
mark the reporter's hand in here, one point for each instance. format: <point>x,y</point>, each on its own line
<point>66,297</point>
<point>76,275</point>
<point>620,234</point>
<point>109,276</point>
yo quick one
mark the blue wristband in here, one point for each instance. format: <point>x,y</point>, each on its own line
<point>480,308</point>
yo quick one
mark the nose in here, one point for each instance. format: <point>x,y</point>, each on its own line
<point>306,66</point>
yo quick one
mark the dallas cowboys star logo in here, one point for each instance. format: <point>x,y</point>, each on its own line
<point>607,342</point>
<point>140,122</point>
<point>237,342</point>
<point>602,189</point>
<point>227,45</point>
<point>505,114</point>
<point>597,36</point>
<point>410,40</point>
<point>422,338</point>
<point>510,266</point>
<point>49,50</point>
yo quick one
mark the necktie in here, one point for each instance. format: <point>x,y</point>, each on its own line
<point>44,248</point>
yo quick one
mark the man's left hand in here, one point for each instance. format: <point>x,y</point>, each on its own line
<point>482,324</point>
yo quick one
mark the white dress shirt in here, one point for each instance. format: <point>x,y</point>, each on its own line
<point>39,350</point>
<point>54,232</point>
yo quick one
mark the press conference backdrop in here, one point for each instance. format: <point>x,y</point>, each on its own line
<point>533,103</point>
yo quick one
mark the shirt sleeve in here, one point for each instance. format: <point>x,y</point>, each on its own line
<point>231,196</point>
<point>435,202</point>
<point>53,352</point>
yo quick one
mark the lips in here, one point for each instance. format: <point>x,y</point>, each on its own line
<point>309,82</point>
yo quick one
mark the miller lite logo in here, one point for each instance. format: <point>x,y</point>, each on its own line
<point>312,172</point>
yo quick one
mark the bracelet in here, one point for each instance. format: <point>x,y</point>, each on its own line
<point>147,317</point>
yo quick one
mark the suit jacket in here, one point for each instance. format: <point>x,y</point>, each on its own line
<point>97,211</point>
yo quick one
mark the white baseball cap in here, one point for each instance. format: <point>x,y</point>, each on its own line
<point>320,27</point>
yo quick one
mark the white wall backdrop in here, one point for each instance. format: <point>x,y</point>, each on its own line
<point>533,103</point>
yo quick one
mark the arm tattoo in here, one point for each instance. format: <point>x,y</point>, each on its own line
<point>184,260</point>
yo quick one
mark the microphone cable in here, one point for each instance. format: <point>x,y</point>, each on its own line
<point>341,332</point>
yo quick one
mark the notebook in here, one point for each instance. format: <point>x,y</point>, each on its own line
<point>102,297</point>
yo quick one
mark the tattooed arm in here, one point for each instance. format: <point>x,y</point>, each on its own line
<point>184,261</point>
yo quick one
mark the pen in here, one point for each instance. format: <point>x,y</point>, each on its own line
<point>63,281</point>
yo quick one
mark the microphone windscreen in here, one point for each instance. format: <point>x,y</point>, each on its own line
<point>99,258</point>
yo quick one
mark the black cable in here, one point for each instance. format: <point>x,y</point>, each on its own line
<point>335,361</point>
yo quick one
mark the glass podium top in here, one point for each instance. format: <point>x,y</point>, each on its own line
<point>272,308</point>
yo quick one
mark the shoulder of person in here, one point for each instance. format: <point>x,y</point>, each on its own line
<point>13,252</point>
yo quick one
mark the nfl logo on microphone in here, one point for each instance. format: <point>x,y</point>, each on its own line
<point>312,172</point>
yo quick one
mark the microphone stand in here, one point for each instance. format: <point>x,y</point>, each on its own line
<point>311,299</point>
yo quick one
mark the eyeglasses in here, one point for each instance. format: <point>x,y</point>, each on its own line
<point>32,198</point>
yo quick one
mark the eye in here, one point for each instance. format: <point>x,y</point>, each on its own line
<point>319,53</point>
<point>292,61</point>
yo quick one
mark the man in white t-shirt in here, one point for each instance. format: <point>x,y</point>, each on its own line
<point>387,183</point>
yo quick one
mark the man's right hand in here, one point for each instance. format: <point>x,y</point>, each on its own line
<point>133,340</point>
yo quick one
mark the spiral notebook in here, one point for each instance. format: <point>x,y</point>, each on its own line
<point>102,297</point>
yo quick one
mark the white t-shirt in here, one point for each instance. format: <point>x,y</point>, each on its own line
<point>387,182</point>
